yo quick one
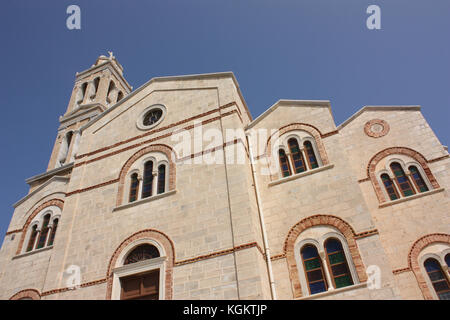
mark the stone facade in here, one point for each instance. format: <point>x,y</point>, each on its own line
<point>227,228</point>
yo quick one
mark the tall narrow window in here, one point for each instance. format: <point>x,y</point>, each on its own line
<point>310,156</point>
<point>161,178</point>
<point>297,157</point>
<point>284,163</point>
<point>44,232</point>
<point>417,178</point>
<point>119,96</point>
<point>111,87</point>
<point>53,233</point>
<point>312,264</point>
<point>82,92</point>
<point>148,180</point>
<point>402,180</point>
<point>69,136</point>
<point>111,93</point>
<point>390,187</point>
<point>134,187</point>
<point>338,264</point>
<point>438,279</point>
<point>32,238</point>
<point>96,83</point>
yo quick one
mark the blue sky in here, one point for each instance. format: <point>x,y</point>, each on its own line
<point>302,49</point>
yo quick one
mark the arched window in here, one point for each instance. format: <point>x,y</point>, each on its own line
<point>44,232</point>
<point>142,286</point>
<point>310,156</point>
<point>338,263</point>
<point>82,92</point>
<point>134,187</point>
<point>96,83</point>
<point>284,163</point>
<point>64,148</point>
<point>32,238</point>
<point>111,86</point>
<point>53,233</point>
<point>109,96</point>
<point>142,252</point>
<point>447,259</point>
<point>312,265</point>
<point>438,279</point>
<point>119,96</point>
<point>402,180</point>
<point>418,180</point>
<point>69,136</point>
<point>390,187</point>
<point>297,157</point>
<point>161,178</point>
<point>148,180</point>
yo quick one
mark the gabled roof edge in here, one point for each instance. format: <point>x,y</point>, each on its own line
<point>377,108</point>
<point>171,78</point>
<point>312,103</point>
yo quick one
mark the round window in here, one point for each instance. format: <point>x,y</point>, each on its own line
<point>151,117</point>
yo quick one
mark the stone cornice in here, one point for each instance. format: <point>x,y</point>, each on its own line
<point>49,173</point>
<point>83,109</point>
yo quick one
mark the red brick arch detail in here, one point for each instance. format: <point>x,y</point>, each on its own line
<point>312,130</point>
<point>397,150</point>
<point>27,293</point>
<point>413,259</point>
<point>153,148</point>
<point>54,202</point>
<point>316,220</point>
<point>159,237</point>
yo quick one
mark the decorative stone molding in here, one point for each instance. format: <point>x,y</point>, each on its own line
<point>152,148</point>
<point>376,128</point>
<point>413,259</point>
<point>346,230</point>
<point>54,202</point>
<point>27,293</point>
<point>159,237</point>
<point>371,174</point>
<point>140,121</point>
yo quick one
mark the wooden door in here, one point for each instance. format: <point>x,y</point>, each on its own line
<point>144,286</point>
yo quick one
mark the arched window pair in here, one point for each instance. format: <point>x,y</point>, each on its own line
<point>142,286</point>
<point>438,277</point>
<point>152,182</point>
<point>42,233</point>
<point>403,185</point>
<point>335,262</point>
<point>294,161</point>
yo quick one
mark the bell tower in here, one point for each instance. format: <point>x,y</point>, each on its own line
<point>96,89</point>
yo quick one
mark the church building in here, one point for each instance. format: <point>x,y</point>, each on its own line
<point>174,191</point>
